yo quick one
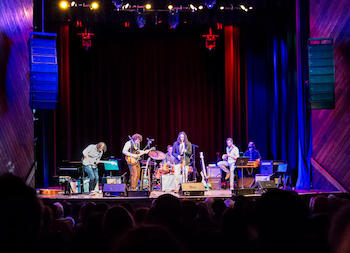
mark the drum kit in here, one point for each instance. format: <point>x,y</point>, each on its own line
<point>155,166</point>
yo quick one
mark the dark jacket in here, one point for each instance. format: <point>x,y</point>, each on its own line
<point>176,152</point>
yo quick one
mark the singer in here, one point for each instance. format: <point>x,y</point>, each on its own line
<point>182,151</point>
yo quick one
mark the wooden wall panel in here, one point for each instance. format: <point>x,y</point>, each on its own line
<point>16,120</point>
<point>331,128</point>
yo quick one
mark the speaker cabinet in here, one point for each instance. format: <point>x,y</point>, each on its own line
<point>321,73</point>
<point>43,70</point>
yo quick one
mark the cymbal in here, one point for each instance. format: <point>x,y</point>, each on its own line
<point>157,155</point>
<point>144,162</point>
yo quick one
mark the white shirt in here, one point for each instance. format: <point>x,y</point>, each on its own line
<point>92,155</point>
<point>232,152</point>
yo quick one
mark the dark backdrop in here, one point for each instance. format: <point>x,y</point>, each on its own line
<point>150,82</point>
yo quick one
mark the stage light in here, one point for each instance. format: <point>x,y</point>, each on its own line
<point>250,8</point>
<point>94,6</point>
<point>173,19</point>
<point>200,7</point>
<point>73,4</point>
<point>209,3</point>
<point>243,8</point>
<point>193,8</point>
<point>148,6</point>
<point>64,5</point>
<point>126,6</point>
<point>118,4</point>
<point>140,20</point>
<point>170,7</point>
<point>222,8</point>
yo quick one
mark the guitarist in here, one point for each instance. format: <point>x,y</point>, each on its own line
<point>182,151</point>
<point>132,149</point>
<point>229,160</point>
<point>91,156</point>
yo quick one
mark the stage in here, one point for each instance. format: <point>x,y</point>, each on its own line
<point>147,201</point>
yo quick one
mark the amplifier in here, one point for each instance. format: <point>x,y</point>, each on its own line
<point>192,189</point>
<point>114,190</point>
<point>213,171</point>
<point>266,167</point>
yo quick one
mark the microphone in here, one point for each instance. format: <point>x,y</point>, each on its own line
<point>149,140</point>
<point>129,137</point>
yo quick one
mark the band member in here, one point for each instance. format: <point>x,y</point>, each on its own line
<point>169,158</point>
<point>131,149</point>
<point>229,160</point>
<point>252,152</point>
<point>182,151</point>
<point>91,156</point>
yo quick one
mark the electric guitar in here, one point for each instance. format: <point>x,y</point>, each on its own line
<point>134,160</point>
<point>92,161</point>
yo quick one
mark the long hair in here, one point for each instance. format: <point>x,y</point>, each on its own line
<point>185,139</point>
<point>100,144</point>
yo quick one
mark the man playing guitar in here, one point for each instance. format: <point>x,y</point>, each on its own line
<point>133,153</point>
<point>229,160</point>
<point>91,157</point>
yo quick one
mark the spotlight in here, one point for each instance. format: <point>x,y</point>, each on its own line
<point>170,7</point>
<point>200,7</point>
<point>243,8</point>
<point>250,8</point>
<point>222,8</point>
<point>64,5</point>
<point>148,6</point>
<point>193,8</point>
<point>73,4</point>
<point>209,3</point>
<point>94,6</point>
<point>126,6</point>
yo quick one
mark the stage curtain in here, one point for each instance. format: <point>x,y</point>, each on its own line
<point>153,83</point>
<point>272,94</point>
<point>235,89</point>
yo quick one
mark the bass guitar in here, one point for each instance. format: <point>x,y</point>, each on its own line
<point>134,160</point>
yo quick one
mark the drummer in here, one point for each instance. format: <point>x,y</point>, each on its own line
<point>169,158</point>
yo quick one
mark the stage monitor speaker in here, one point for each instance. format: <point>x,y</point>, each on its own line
<point>43,70</point>
<point>321,73</point>
<point>114,190</point>
<point>244,191</point>
<point>192,189</point>
<point>264,186</point>
<point>138,194</point>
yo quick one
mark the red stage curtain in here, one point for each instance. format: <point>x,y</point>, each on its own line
<point>235,89</point>
<point>63,114</point>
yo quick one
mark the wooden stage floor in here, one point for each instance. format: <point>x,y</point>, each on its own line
<point>221,194</point>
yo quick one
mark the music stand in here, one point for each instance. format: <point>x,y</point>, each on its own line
<point>111,167</point>
<point>241,162</point>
